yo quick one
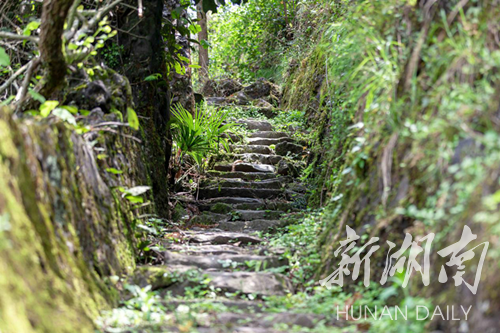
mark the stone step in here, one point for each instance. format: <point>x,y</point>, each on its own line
<point>209,219</point>
<point>269,135</point>
<point>253,124</point>
<point>256,283</point>
<point>242,175</point>
<point>245,167</point>
<point>253,149</point>
<point>226,204</point>
<point>255,306</point>
<point>262,284</point>
<point>267,320</point>
<point>250,215</point>
<point>251,226</point>
<point>220,237</point>
<point>266,142</point>
<point>276,183</point>
<point>260,158</point>
<point>239,329</point>
<point>262,193</point>
<point>208,249</point>
<point>223,261</point>
<point>233,137</point>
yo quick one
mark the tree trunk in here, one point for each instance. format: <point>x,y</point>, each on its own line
<point>143,55</point>
<point>202,36</point>
<point>54,15</point>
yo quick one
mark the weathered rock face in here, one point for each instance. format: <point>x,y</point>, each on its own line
<point>286,148</point>
<point>262,94</point>
<point>221,88</point>
<point>63,229</point>
<point>263,88</point>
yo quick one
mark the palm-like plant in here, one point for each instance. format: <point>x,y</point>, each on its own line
<point>199,134</point>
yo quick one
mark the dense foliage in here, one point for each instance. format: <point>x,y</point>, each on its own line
<point>247,41</point>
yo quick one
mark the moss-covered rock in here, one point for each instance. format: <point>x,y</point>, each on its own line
<point>63,228</point>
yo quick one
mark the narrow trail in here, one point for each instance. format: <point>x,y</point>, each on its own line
<point>237,268</point>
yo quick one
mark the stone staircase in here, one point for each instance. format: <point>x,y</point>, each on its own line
<point>236,201</point>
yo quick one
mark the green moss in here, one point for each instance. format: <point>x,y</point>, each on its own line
<point>62,230</point>
<point>220,208</point>
<point>179,212</point>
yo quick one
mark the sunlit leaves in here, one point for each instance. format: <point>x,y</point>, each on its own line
<point>153,77</point>
<point>114,171</point>
<point>47,107</point>
<point>64,115</point>
<point>4,58</point>
<point>132,118</point>
<point>30,27</point>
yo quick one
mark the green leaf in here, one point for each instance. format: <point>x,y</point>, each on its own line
<point>133,121</point>
<point>194,28</point>
<point>36,96</point>
<point>205,44</point>
<point>47,107</point>
<point>8,100</point>
<point>70,108</point>
<point>114,171</point>
<point>4,58</point>
<point>64,115</point>
<point>153,77</point>
<point>117,112</point>
<point>106,29</point>
<point>33,25</point>
<point>179,69</point>
<point>134,199</point>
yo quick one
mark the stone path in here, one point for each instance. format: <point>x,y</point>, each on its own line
<point>249,191</point>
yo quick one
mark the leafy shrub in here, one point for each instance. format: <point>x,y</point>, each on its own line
<point>200,133</point>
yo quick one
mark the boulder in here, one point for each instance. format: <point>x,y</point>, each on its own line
<point>285,148</point>
<point>287,169</point>
<point>262,88</point>
<point>221,88</point>
<point>256,124</point>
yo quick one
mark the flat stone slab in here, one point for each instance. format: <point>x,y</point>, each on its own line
<point>256,149</point>
<point>233,200</point>
<point>249,226</point>
<point>207,218</point>
<point>250,215</point>
<point>268,320</point>
<point>218,183</point>
<point>222,261</point>
<point>261,158</point>
<point>227,204</point>
<point>207,249</point>
<point>249,306</point>
<point>246,167</point>
<point>235,203</point>
<point>265,284</point>
<point>242,175</point>
<point>269,135</point>
<point>262,193</point>
<point>222,238</point>
<point>256,124</point>
<point>266,142</point>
